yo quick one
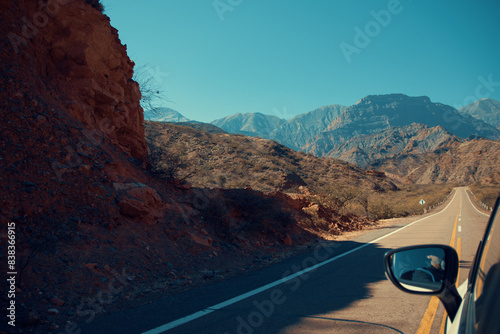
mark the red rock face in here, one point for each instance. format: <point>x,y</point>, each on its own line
<point>71,116</point>
<point>76,50</point>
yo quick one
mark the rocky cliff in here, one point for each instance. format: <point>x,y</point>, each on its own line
<point>76,55</point>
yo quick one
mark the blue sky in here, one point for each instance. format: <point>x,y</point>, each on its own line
<point>214,58</point>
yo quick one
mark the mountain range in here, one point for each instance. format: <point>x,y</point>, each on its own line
<point>395,128</point>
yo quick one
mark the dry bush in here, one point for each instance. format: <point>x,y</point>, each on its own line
<point>380,210</point>
<point>164,164</point>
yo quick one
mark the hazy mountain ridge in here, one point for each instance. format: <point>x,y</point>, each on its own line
<point>487,110</point>
<point>165,115</point>
<point>250,124</point>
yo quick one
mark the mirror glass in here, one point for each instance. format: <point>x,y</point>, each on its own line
<point>420,269</point>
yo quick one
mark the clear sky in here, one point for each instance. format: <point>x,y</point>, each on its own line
<point>215,58</point>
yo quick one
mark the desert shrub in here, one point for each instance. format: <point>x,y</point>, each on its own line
<point>338,196</point>
<point>221,181</point>
<point>164,164</point>
<point>381,210</point>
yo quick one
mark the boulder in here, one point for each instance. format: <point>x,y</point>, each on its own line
<point>139,201</point>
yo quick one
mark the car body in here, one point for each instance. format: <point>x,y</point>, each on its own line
<point>472,308</point>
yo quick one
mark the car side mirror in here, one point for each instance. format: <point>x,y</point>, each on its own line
<point>426,269</point>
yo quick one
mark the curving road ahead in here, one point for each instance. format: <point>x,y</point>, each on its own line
<point>340,287</point>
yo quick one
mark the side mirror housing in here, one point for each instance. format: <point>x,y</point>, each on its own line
<point>427,270</point>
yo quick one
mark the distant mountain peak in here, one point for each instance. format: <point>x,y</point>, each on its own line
<point>164,114</point>
<point>395,97</point>
<point>487,110</point>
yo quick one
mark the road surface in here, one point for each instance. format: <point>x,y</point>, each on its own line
<point>340,287</point>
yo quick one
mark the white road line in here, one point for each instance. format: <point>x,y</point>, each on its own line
<point>459,228</point>
<point>475,206</point>
<point>239,298</point>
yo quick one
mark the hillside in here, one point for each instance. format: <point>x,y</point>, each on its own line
<point>487,110</point>
<point>407,140</point>
<point>236,161</point>
<point>475,161</point>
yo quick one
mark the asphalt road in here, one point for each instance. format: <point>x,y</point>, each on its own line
<point>346,292</point>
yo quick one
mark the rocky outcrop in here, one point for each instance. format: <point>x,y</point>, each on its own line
<point>138,201</point>
<point>290,180</point>
<point>78,55</point>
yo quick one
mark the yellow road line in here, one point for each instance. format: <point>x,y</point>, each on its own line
<point>430,313</point>
<point>443,323</point>
<point>428,319</point>
<point>459,251</point>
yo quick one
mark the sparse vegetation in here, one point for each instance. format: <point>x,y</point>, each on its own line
<point>486,194</point>
<point>164,163</point>
<point>406,201</point>
<point>254,163</point>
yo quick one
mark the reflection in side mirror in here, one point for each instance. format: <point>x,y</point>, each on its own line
<point>426,269</point>
<point>419,270</point>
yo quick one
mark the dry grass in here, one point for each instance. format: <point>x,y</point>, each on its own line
<point>217,160</point>
<point>487,194</point>
<point>406,201</point>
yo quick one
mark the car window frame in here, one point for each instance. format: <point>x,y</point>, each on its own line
<point>468,317</point>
